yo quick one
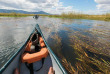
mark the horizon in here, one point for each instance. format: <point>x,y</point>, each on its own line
<point>58,6</point>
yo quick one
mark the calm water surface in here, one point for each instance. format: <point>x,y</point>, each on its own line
<point>81,45</point>
<point>72,40</point>
<point>14,31</point>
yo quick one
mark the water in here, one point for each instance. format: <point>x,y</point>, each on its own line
<point>75,42</point>
<point>14,31</point>
<point>81,45</point>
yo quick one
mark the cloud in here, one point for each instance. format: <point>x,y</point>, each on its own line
<point>38,1</point>
<point>103,1</point>
<point>50,6</point>
<point>103,5</point>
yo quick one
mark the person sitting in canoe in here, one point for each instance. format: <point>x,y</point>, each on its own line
<point>35,49</point>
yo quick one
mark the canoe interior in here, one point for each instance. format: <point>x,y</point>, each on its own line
<point>44,70</point>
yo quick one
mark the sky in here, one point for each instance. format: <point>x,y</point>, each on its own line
<point>58,6</point>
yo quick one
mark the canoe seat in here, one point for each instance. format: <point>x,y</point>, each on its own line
<point>31,58</point>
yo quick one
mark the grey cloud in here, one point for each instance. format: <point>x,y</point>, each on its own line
<point>103,5</point>
<point>50,6</point>
<point>12,5</point>
<point>102,1</point>
<point>38,1</point>
<point>61,8</point>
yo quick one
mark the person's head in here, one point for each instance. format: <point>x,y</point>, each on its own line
<point>34,39</point>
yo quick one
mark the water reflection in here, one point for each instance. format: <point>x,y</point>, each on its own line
<point>81,45</point>
<point>13,33</point>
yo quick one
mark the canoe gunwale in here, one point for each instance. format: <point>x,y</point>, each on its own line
<point>51,52</point>
<point>14,56</point>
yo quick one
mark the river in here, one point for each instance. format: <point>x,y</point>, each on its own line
<point>81,45</point>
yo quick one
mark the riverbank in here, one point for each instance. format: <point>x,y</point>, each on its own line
<point>105,17</point>
<point>15,15</point>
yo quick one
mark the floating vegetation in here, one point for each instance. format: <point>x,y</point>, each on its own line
<point>92,55</point>
<point>57,41</point>
<point>58,50</point>
<point>68,66</point>
<point>91,48</point>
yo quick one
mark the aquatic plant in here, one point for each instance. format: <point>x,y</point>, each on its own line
<point>58,51</point>
<point>92,54</point>
<point>70,69</point>
<point>91,59</point>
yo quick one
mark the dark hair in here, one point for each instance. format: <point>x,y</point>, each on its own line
<point>35,39</point>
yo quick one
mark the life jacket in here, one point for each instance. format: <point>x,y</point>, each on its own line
<point>33,57</point>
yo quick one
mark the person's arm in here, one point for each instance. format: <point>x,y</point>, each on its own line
<point>42,44</point>
<point>28,46</point>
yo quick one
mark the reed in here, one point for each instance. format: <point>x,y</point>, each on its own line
<point>74,15</point>
<point>15,14</point>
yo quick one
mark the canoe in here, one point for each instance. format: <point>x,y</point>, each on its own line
<point>36,16</point>
<point>50,61</point>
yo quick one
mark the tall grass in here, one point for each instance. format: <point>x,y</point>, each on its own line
<point>74,15</point>
<point>15,14</point>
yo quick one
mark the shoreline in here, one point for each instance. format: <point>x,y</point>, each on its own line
<point>15,15</point>
<point>105,17</point>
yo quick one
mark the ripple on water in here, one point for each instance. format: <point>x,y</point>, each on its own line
<point>81,45</point>
<point>13,34</point>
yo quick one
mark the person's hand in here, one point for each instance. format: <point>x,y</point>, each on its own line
<point>41,40</point>
<point>42,44</point>
<point>51,70</point>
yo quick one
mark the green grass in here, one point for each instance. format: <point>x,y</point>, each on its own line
<point>73,15</point>
<point>15,15</point>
